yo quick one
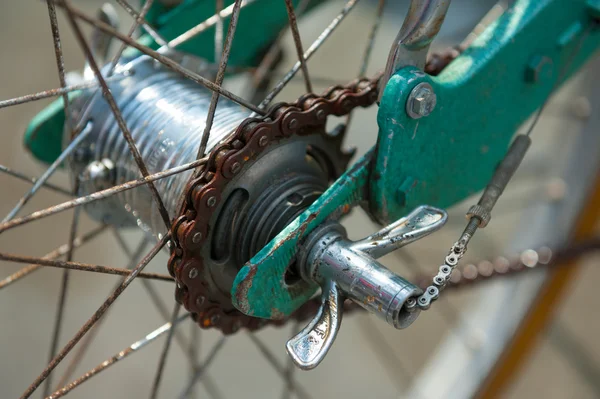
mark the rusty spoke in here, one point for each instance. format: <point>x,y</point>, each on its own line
<point>98,195</point>
<point>62,298</point>
<point>219,29</point>
<point>33,180</point>
<point>278,367</point>
<point>164,353</point>
<point>51,93</point>
<point>134,258</point>
<point>220,76</point>
<point>81,266</point>
<point>58,252</point>
<point>162,59</point>
<point>60,62</point>
<point>136,346</point>
<point>290,367</point>
<point>140,19</point>
<point>298,43</point>
<point>308,53</point>
<point>46,175</point>
<point>95,317</point>
<point>398,374</point>
<point>369,47</point>
<point>117,114</point>
<point>200,371</point>
<point>203,26</point>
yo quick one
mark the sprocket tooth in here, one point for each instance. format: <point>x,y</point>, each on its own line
<point>255,138</point>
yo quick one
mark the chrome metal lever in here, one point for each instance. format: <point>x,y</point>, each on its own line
<point>348,270</point>
<point>421,25</point>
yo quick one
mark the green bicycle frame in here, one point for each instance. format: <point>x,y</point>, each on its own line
<point>483,96</point>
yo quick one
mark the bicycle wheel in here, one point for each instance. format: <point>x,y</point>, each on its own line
<point>465,338</point>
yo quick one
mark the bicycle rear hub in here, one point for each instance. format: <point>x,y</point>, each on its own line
<point>166,115</point>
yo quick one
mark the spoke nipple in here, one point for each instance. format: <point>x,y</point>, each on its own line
<point>193,273</point>
<point>197,238</point>
<point>212,201</point>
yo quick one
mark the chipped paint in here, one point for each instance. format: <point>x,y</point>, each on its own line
<point>482,98</point>
<point>259,289</point>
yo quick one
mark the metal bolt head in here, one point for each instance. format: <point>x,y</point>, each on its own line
<point>321,115</point>
<point>293,124</point>
<point>214,319</point>
<point>193,273</point>
<point>421,101</point>
<point>197,237</point>
<point>200,301</point>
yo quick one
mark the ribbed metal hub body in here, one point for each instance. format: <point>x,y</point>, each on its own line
<point>166,115</point>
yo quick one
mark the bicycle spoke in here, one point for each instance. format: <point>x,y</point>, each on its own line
<point>398,374</point>
<point>117,115</point>
<point>219,79</point>
<point>89,338</point>
<point>60,309</point>
<point>136,346</point>
<point>369,48</point>
<point>49,172</point>
<point>201,370</point>
<point>33,180</point>
<point>576,354</point>
<point>261,76</point>
<point>194,353</point>
<point>219,29</point>
<point>308,53</point>
<point>201,27</point>
<point>60,251</point>
<point>81,266</point>
<point>60,62</point>
<point>162,59</point>
<point>164,353</point>
<point>277,366</point>
<point>290,368</point>
<point>95,317</point>
<point>140,19</point>
<point>98,195</point>
<point>52,93</point>
<point>298,44</point>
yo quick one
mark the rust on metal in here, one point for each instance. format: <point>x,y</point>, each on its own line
<point>304,117</point>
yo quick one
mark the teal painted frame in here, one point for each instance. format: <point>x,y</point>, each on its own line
<point>483,97</point>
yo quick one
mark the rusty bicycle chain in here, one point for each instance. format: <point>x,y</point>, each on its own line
<point>251,137</point>
<point>203,193</point>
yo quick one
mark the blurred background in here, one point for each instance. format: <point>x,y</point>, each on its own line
<point>369,359</point>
